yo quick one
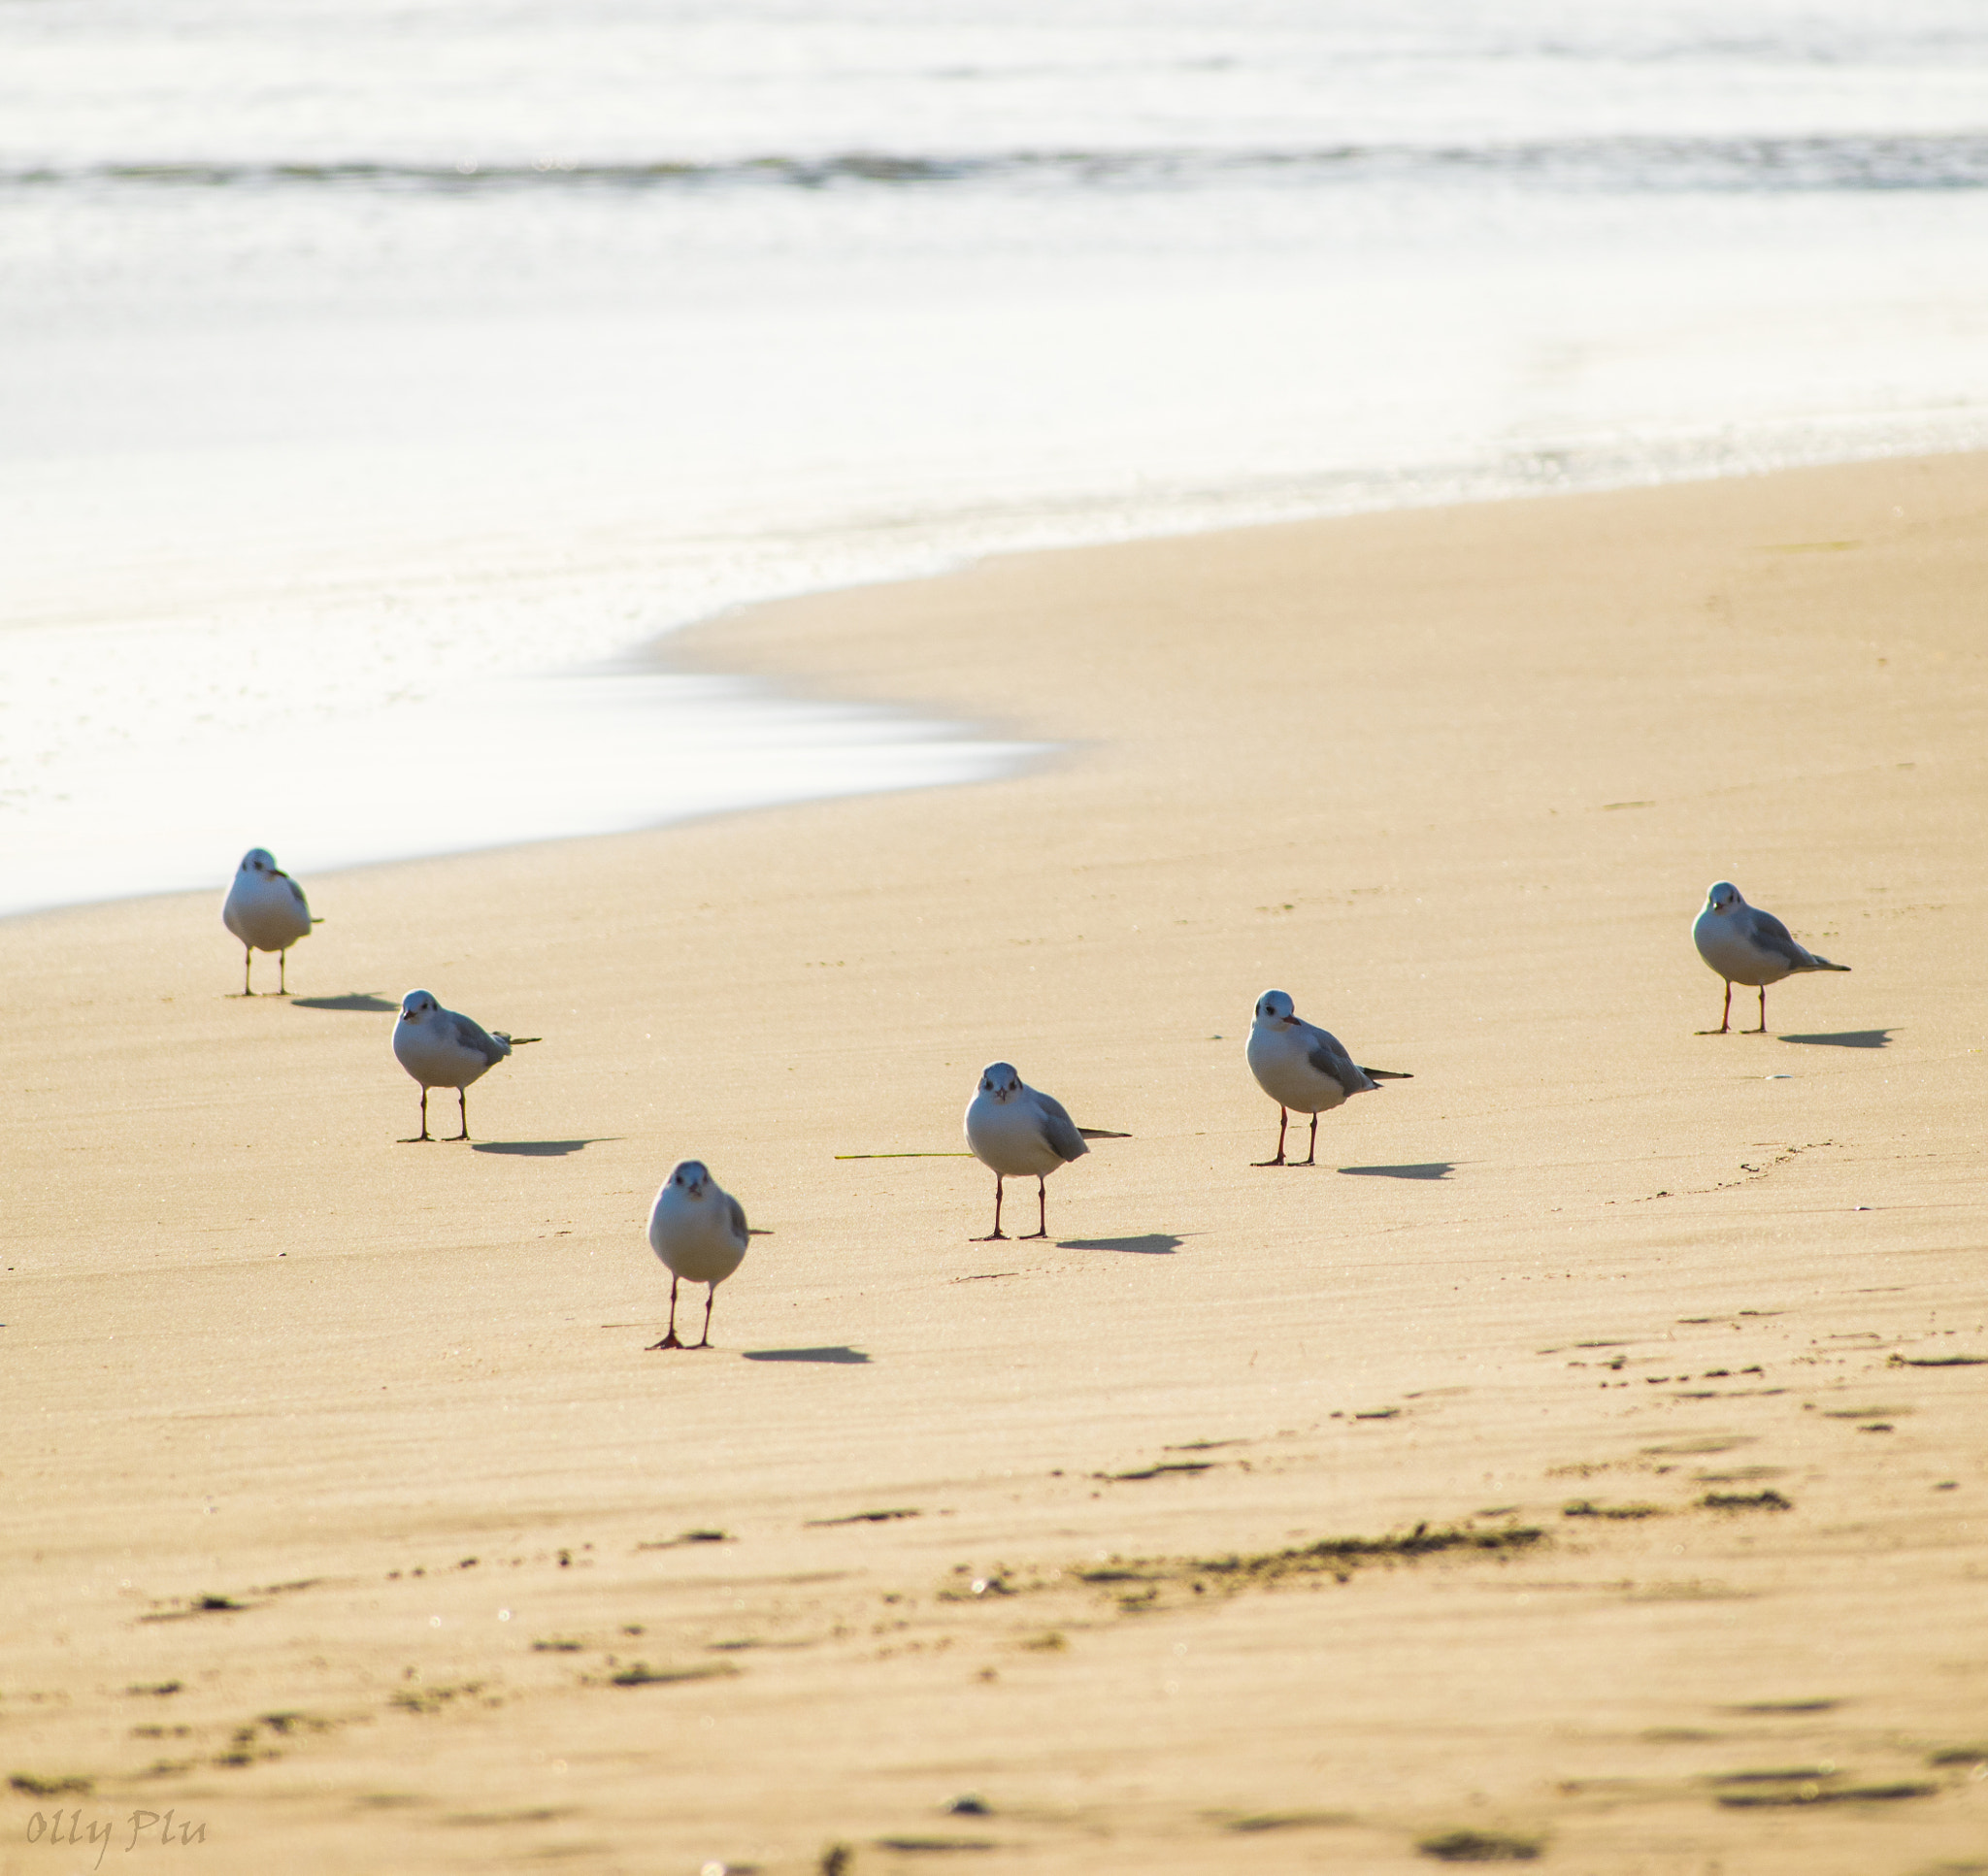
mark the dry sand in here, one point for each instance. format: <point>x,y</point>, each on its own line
<point>342,1494</point>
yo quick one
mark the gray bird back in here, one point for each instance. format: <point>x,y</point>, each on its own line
<point>1773,938</point>
<point>738,1217</point>
<point>1058,1129</point>
<point>1329,1057</point>
<point>473,1036</point>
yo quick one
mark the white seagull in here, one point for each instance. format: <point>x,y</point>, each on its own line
<point>266,909</point>
<point>440,1049</point>
<point>1300,1066</point>
<point>698,1228</point>
<point>1746,945</point>
<point>1019,1132</point>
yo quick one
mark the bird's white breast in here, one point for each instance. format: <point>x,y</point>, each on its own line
<point>265,913</point>
<point>1724,942</point>
<point>694,1237</point>
<point>1008,1135</point>
<point>433,1056</point>
<point>1279,1059</point>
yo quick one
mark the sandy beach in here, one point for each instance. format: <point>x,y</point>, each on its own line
<point>1585,1462</point>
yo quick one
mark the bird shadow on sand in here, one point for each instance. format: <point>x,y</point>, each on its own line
<point>1426,1170</point>
<point>1152,1244</point>
<point>538,1149</point>
<point>1846,1039</point>
<point>365,1000</point>
<point>840,1354</point>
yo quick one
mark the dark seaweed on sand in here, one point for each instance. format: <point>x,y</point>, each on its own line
<point>1479,1847</point>
<point>1336,1557</point>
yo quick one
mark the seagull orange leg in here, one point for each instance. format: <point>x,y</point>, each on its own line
<point>1041,1209</point>
<point>1283,1120</point>
<point>1762,1030</point>
<point>1311,1155</point>
<point>997,1231</point>
<point>670,1340</point>
<point>1725,1014</point>
<point>423,1134</point>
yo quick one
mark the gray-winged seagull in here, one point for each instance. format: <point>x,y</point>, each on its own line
<point>698,1228</point>
<point>1300,1066</point>
<point>1019,1133</point>
<point>1746,945</point>
<point>440,1049</point>
<point>266,909</point>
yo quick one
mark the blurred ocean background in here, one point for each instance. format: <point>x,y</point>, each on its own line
<point>380,379</point>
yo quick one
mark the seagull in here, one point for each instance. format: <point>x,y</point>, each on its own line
<point>1746,945</point>
<point>698,1228</point>
<point>440,1049</point>
<point>1300,1066</point>
<point>1019,1132</point>
<point>266,909</point>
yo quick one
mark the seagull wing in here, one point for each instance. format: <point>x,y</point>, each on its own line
<point>1772,936</point>
<point>737,1213</point>
<point>474,1037</point>
<point>296,891</point>
<point>1058,1129</point>
<point>1326,1053</point>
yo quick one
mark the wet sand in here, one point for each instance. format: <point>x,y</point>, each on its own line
<point>1588,1454</point>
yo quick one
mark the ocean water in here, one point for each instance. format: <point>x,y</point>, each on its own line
<point>381,380</point>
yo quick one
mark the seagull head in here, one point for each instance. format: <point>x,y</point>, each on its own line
<point>999,1079</point>
<point>693,1176</point>
<point>415,1005</point>
<point>1723,896</point>
<point>1276,1007</point>
<point>258,861</point>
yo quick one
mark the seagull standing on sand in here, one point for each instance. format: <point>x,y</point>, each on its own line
<point>1746,945</point>
<point>1300,1066</point>
<point>698,1228</point>
<point>266,909</point>
<point>440,1049</point>
<point>1017,1131</point>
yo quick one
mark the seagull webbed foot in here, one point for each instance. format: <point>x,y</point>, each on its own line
<point>668,1342</point>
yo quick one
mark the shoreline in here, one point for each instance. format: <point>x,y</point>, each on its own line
<point>620,702</point>
<point>1454,777</point>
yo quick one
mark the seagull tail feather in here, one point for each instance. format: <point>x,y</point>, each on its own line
<point>1387,1074</point>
